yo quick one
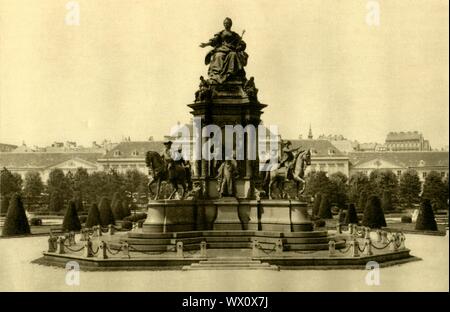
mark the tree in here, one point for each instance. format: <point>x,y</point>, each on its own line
<point>71,221</point>
<point>316,204</point>
<point>325,208</point>
<point>386,201</point>
<point>409,187</point>
<point>383,180</point>
<point>78,199</point>
<point>126,207</point>
<point>93,217</point>
<point>58,182</point>
<point>106,215</point>
<point>434,189</point>
<point>359,182</point>
<point>351,216</point>
<point>425,220</point>
<point>33,186</point>
<point>117,208</point>
<point>56,201</point>
<point>317,181</point>
<point>81,183</point>
<point>338,189</point>
<point>9,182</point>
<point>4,204</point>
<point>16,222</point>
<point>362,200</point>
<point>373,213</point>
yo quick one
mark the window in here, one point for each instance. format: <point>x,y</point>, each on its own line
<point>135,153</point>
<point>117,153</point>
<point>399,173</point>
<point>424,174</point>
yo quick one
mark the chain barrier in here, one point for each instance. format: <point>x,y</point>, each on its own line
<point>74,250</point>
<point>113,253</point>
<point>345,250</point>
<point>380,248</point>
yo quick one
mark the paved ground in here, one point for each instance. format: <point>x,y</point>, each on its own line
<point>431,274</point>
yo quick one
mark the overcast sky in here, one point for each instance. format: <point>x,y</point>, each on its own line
<point>130,67</point>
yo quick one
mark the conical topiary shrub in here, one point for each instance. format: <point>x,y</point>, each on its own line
<point>325,208</point>
<point>93,217</point>
<point>4,203</point>
<point>106,215</point>
<point>425,219</point>
<point>373,213</point>
<point>16,222</point>
<point>116,207</point>
<point>351,216</point>
<point>316,205</point>
<point>71,221</point>
<point>386,201</point>
<point>126,211</point>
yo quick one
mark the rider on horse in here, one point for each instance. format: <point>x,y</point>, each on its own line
<point>287,157</point>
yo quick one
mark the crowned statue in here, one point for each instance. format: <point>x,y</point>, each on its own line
<point>228,57</point>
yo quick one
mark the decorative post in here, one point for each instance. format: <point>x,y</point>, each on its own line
<point>134,227</point>
<point>279,246</point>
<point>379,236</point>
<point>394,240</point>
<point>88,248</point>
<point>125,250</point>
<point>111,229</point>
<point>367,247</point>
<point>52,246</point>
<point>402,241</point>
<point>60,243</point>
<point>354,248</point>
<point>384,237</point>
<point>350,228</point>
<point>203,249</point>
<point>255,248</point>
<point>99,230</point>
<point>180,249</point>
<point>103,250</point>
<point>331,248</point>
<point>72,238</point>
<point>367,232</point>
<point>339,228</point>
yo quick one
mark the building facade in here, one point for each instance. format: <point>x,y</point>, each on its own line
<point>406,141</point>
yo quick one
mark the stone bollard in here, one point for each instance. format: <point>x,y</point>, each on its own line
<point>72,238</point>
<point>384,237</point>
<point>339,228</point>
<point>125,250</point>
<point>255,248</point>
<point>98,230</point>
<point>203,249</point>
<point>134,227</point>
<point>331,248</point>
<point>367,247</point>
<point>111,229</point>
<point>180,250</point>
<point>88,248</point>
<point>60,243</point>
<point>394,242</point>
<point>52,245</point>
<point>83,235</point>
<point>350,229</point>
<point>103,250</point>
<point>279,246</point>
<point>354,248</point>
<point>402,241</point>
<point>379,236</point>
<point>367,232</point>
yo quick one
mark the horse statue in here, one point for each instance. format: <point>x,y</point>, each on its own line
<point>158,171</point>
<point>279,176</point>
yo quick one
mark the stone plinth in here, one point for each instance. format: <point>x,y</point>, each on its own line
<point>248,214</point>
<point>275,215</point>
<point>300,220</point>
<point>227,214</point>
<point>170,216</point>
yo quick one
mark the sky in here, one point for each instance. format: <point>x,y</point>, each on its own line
<point>131,67</point>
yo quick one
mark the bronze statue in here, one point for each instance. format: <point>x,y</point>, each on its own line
<point>161,169</point>
<point>226,178</point>
<point>297,167</point>
<point>250,89</point>
<point>228,57</point>
<point>204,91</point>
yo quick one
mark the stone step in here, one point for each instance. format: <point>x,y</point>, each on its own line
<point>230,264</point>
<point>190,268</point>
<point>212,261</point>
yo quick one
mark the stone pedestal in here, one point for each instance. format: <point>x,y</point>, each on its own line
<point>248,214</point>
<point>227,214</point>
<point>300,219</point>
<point>180,216</point>
<point>275,215</point>
<point>156,211</point>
